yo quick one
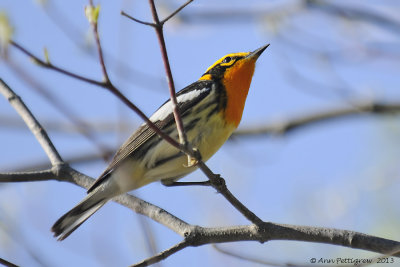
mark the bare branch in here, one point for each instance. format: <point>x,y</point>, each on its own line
<point>219,184</point>
<point>93,23</point>
<point>33,176</point>
<point>7,263</point>
<point>198,236</point>
<point>256,260</point>
<point>67,26</point>
<point>171,85</point>
<point>359,107</point>
<point>163,255</point>
<point>138,20</point>
<point>32,123</point>
<point>176,12</point>
<point>48,65</point>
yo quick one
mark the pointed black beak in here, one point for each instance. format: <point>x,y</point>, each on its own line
<point>256,53</point>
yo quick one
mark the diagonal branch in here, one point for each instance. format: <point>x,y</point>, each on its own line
<point>7,263</point>
<point>241,256</point>
<point>218,183</point>
<point>176,11</point>
<point>164,254</point>
<point>49,65</point>
<point>32,123</point>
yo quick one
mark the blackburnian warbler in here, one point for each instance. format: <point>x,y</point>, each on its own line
<point>211,109</point>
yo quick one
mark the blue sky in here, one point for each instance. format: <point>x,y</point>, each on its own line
<point>342,173</point>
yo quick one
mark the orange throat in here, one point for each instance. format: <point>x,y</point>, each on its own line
<point>237,82</point>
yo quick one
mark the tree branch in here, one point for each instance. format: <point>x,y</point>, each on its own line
<point>138,20</point>
<point>49,65</point>
<point>163,255</point>
<point>283,127</point>
<point>255,260</point>
<point>33,125</point>
<point>7,263</point>
<point>176,12</point>
<point>171,85</point>
<point>33,176</point>
<point>93,23</point>
<point>271,231</point>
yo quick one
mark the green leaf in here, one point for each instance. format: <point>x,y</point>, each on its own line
<point>92,13</point>
<point>6,32</point>
<point>46,55</point>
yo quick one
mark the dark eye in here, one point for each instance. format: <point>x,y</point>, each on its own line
<point>227,60</point>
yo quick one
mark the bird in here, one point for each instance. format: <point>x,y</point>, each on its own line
<point>211,109</point>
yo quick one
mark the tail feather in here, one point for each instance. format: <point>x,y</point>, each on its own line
<point>78,215</point>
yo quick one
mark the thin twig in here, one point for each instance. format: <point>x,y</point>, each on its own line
<point>138,20</point>
<point>171,85</point>
<point>48,65</point>
<point>219,184</point>
<point>98,45</point>
<point>7,263</point>
<point>241,256</point>
<point>163,255</point>
<point>175,12</point>
<point>66,25</point>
